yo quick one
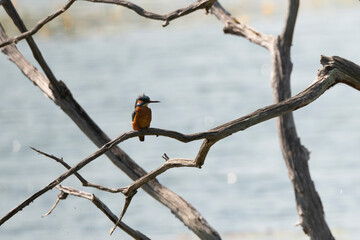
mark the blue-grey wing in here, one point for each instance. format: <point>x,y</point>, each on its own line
<point>133,116</point>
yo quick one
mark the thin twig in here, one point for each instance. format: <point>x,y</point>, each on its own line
<point>83,181</point>
<point>126,205</point>
<point>165,157</point>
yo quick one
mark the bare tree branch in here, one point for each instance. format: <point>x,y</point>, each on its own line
<point>65,191</point>
<point>178,206</point>
<point>289,26</point>
<point>83,181</point>
<point>38,26</point>
<point>199,4</point>
<point>296,156</point>
<point>327,77</point>
<point>100,205</point>
<point>11,11</point>
<point>235,27</point>
<point>309,205</point>
<point>129,191</point>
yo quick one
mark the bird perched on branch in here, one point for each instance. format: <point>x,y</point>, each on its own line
<point>141,117</point>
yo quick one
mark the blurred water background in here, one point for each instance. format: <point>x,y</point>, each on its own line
<point>107,56</point>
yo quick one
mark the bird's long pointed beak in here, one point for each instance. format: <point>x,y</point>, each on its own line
<point>143,103</point>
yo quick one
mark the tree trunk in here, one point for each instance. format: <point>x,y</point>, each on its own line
<point>296,156</point>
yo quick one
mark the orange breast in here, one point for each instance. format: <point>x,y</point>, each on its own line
<point>142,118</point>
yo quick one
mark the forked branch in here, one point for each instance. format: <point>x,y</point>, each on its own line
<point>327,77</point>
<point>197,5</point>
<point>178,206</point>
<point>101,205</point>
<point>335,70</point>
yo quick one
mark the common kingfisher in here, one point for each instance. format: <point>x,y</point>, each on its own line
<point>141,116</point>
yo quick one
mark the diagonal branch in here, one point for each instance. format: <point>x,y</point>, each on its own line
<point>199,4</point>
<point>65,191</point>
<point>38,26</point>
<point>11,11</point>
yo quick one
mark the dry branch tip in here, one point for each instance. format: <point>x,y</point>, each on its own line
<point>126,205</point>
<point>61,196</point>
<point>165,156</point>
<point>165,23</point>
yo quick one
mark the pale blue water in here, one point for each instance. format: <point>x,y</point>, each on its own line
<point>202,78</point>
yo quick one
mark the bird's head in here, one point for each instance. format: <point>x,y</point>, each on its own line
<point>143,100</point>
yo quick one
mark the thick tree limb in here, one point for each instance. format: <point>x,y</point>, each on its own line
<point>296,156</point>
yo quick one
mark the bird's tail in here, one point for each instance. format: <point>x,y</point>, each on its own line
<point>142,138</point>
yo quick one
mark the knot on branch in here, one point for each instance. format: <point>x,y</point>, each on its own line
<point>328,68</point>
<point>62,195</point>
<point>209,5</point>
